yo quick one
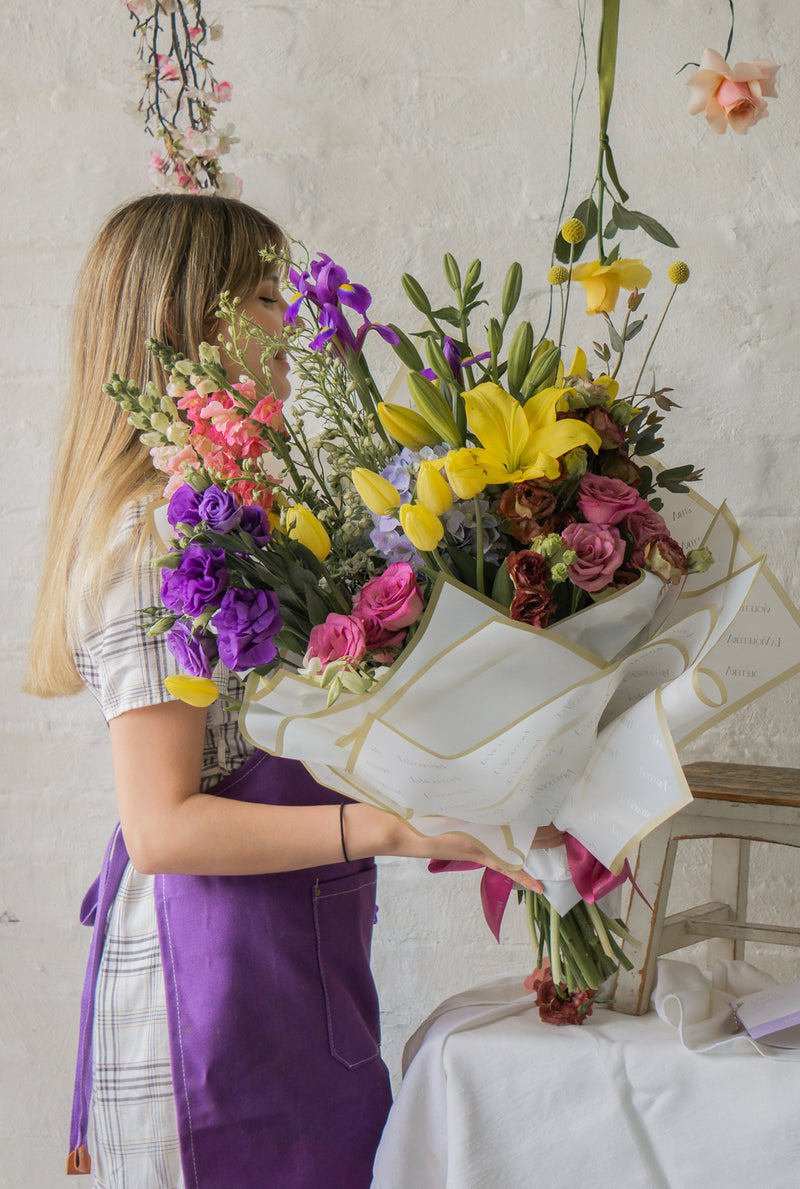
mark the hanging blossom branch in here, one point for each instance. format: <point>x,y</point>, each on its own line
<point>180,97</point>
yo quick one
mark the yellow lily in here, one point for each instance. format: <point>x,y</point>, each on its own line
<point>380,496</point>
<point>602,282</point>
<point>433,489</point>
<point>196,691</point>
<point>423,529</point>
<point>517,442</point>
<point>303,526</point>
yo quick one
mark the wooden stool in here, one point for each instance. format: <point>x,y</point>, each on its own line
<point>734,804</point>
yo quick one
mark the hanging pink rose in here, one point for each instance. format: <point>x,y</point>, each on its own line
<point>732,96</point>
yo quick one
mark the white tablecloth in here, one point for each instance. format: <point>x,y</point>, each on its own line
<point>495,1098</point>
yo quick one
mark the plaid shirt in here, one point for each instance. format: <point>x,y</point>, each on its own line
<point>134,1142</point>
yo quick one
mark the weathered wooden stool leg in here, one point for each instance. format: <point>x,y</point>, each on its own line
<point>730,869</point>
<point>653,875</point>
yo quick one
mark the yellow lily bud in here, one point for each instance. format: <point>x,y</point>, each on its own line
<point>407,427</point>
<point>195,691</point>
<point>380,496</point>
<point>303,526</point>
<point>423,529</point>
<point>433,490</point>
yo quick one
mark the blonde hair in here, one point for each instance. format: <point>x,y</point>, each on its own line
<point>156,269</point>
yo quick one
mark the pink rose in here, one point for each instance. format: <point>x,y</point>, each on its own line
<point>645,523</point>
<point>731,96</point>
<point>340,637</point>
<point>607,501</point>
<point>393,597</point>
<point>600,552</point>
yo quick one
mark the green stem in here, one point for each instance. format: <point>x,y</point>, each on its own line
<point>341,602</point>
<point>530,919</point>
<point>553,947</point>
<point>602,936</point>
<point>652,341</point>
<point>622,352</point>
<point>565,300</point>
<point>479,545</point>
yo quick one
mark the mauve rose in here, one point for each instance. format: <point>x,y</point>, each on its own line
<point>611,435</point>
<point>643,524</point>
<point>616,465</point>
<point>526,569</point>
<point>198,582</point>
<point>220,510</point>
<point>255,522</point>
<point>664,557</point>
<point>524,506</point>
<point>393,597</point>
<point>600,552</point>
<point>607,501</point>
<point>195,652</point>
<point>339,637</point>
<point>246,623</point>
<point>183,506</point>
<point>533,606</point>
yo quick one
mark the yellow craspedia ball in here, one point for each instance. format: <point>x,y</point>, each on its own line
<point>573,231</point>
<point>678,273</point>
<point>557,275</point>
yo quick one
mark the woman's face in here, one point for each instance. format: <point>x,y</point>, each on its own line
<point>265,308</point>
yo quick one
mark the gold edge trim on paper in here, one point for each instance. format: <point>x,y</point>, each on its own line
<point>616,864</point>
<point>730,707</point>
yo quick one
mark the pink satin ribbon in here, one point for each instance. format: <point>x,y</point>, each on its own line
<point>592,880</point>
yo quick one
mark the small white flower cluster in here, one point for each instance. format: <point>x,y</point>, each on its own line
<point>180,98</point>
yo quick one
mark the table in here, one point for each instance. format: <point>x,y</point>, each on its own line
<point>493,1097</point>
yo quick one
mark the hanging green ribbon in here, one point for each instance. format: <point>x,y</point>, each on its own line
<point>606,69</point>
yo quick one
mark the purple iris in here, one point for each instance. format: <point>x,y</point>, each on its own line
<point>452,354</point>
<point>326,285</point>
<point>197,582</point>
<point>195,652</point>
<point>246,623</point>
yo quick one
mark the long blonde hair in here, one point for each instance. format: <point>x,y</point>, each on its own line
<point>156,269</point>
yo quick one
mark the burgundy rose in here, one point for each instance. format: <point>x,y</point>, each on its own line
<point>644,524</point>
<point>534,606</point>
<point>611,435</point>
<point>195,652</point>
<point>183,506</point>
<point>557,1006</point>
<point>526,569</point>
<point>197,582</point>
<point>616,465</point>
<point>246,623</point>
<point>664,557</point>
<point>393,597</point>
<point>220,510</point>
<point>600,552</point>
<point>607,501</point>
<point>524,506</point>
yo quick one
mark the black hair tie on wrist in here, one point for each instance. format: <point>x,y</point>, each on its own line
<point>341,831</point>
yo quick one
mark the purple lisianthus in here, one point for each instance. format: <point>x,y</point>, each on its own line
<point>197,583</point>
<point>246,623</point>
<point>195,652</point>
<point>220,510</point>
<point>183,506</point>
<point>255,522</point>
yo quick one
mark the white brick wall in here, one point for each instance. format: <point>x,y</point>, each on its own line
<point>384,135</point>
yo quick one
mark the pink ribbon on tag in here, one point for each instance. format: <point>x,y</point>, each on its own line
<point>592,880</point>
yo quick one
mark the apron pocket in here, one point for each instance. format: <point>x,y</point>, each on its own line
<point>344,911</point>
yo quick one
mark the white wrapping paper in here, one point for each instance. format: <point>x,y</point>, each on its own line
<point>494,728</point>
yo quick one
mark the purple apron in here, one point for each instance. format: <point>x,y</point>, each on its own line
<point>272,1011</point>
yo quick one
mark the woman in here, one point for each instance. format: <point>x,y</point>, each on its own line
<point>229,1019</point>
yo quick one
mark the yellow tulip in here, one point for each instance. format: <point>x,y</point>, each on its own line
<point>407,427</point>
<point>517,442</point>
<point>433,490</point>
<point>380,496</point>
<point>196,691</point>
<point>423,529</point>
<point>303,526</point>
<point>603,282</point>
